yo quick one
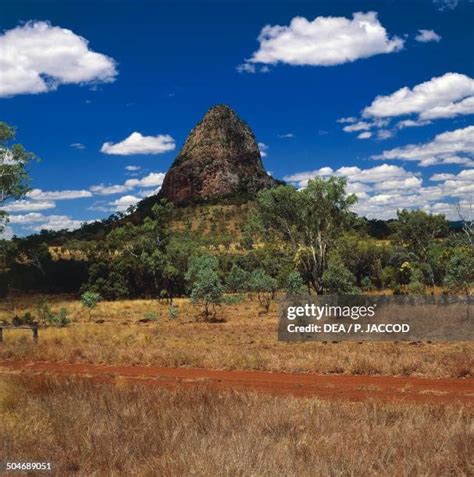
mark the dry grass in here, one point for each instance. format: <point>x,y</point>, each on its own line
<point>90,429</point>
<point>244,341</point>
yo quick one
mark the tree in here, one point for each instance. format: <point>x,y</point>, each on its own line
<point>264,286</point>
<point>294,285</point>
<point>14,177</point>
<point>237,279</point>
<point>337,279</point>
<point>206,287</point>
<point>207,291</point>
<point>90,301</point>
<point>460,271</point>
<point>416,230</point>
<point>308,221</point>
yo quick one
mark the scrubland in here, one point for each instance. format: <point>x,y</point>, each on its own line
<point>244,340</point>
<point>88,429</point>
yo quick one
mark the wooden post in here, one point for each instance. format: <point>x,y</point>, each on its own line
<point>34,327</point>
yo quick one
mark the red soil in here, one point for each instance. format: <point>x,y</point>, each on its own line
<point>331,387</point>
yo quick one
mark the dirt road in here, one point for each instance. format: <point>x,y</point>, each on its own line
<point>352,388</point>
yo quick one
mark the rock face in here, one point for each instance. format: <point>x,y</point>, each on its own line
<point>219,158</point>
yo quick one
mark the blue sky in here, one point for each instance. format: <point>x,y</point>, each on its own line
<point>385,98</point>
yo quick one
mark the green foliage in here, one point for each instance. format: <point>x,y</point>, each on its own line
<point>460,271</point>
<point>14,159</point>
<point>308,221</point>
<point>416,230</point>
<point>264,286</point>
<point>233,299</point>
<point>207,291</point>
<point>237,280</point>
<point>337,279</point>
<point>173,312</point>
<point>25,319</point>
<point>294,284</point>
<point>90,300</point>
<point>150,316</point>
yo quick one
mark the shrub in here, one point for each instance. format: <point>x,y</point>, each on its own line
<point>90,301</point>
<point>173,312</point>
<point>237,280</point>
<point>150,316</point>
<point>294,285</point>
<point>264,286</point>
<point>207,291</point>
<point>338,279</point>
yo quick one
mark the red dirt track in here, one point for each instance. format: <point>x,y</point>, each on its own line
<point>331,387</point>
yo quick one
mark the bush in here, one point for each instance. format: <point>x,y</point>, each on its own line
<point>90,301</point>
<point>150,316</point>
<point>264,286</point>
<point>207,291</point>
<point>173,312</point>
<point>294,285</point>
<point>337,279</point>
<point>237,280</point>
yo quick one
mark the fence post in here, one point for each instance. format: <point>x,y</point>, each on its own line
<point>34,327</point>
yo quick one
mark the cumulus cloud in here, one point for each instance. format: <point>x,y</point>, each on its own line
<point>38,194</point>
<point>425,36</point>
<point>36,221</point>
<point>154,179</point>
<point>325,41</point>
<point>124,202</point>
<point>444,96</point>
<point>364,135</point>
<point>132,168</point>
<point>28,205</point>
<point>383,189</point>
<point>451,147</point>
<point>263,148</point>
<point>37,57</point>
<point>138,144</point>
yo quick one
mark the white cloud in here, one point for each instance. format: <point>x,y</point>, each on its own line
<point>263,149</point>
<point>425,36</point>
<point>451,147</point>
<point>36,222</point>
<point>325,41</point>
<point>444,96</point>
<point>411,123</point>
<point>124,202</point>
<point>37,57</point>
<point>383,189</point>
<point>38,194</point>
<point>364,135</point>
<point>154,179</point>
<point>359,126</point>
<point>289,135</point>
<point>132,168</point>
<point>6,233</point>
<point>151,180</point>
<point>446,4</point>
<point>138,144</point>
<point>78,145</point>
<point>27,205</point>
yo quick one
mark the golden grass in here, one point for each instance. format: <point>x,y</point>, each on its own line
<point>89,429</point>
<point>244,341</point>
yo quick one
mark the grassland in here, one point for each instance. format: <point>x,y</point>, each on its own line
<point>245,340</point>
<point>89,429</point>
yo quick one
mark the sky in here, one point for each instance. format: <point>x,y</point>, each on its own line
<point>105,93</point>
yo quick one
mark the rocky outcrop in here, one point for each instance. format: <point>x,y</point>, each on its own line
<point>220,158</point>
